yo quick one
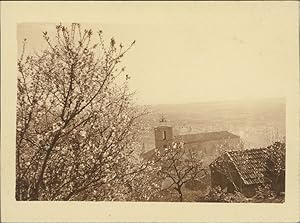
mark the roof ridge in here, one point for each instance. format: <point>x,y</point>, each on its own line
<point>237,169</point>
<point>249,149</point>
<point>206,132</point>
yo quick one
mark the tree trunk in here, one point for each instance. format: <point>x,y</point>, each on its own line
<point>180,196</point>
<point>35,194</point>
<point>179,192</point>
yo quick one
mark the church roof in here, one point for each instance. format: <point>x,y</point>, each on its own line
<point>206,136</point>
<point>163,126</point>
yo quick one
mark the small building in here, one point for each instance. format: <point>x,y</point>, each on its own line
<point>246,170</point>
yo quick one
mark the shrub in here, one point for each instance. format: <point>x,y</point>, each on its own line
<point>216,194</point>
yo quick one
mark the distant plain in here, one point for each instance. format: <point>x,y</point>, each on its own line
<point>258,122</point>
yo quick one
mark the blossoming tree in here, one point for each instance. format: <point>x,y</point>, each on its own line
<point>179,164</point>
<point>76,120</point>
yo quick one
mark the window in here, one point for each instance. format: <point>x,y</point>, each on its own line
<point>164,135</point>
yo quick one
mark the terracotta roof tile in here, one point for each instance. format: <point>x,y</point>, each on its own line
<point>250,164</point>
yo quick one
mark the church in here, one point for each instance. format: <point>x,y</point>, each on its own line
<point>208,143</point>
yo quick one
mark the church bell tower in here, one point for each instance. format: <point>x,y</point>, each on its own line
<point>163,135</point>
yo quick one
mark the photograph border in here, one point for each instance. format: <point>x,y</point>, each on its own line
<point>13,13</point>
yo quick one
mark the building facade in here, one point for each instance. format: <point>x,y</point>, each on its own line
<point>163,136</point>
<point>209,144</point>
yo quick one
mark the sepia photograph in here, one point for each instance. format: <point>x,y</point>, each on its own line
<point>194,110</point>
<point>86,130</point>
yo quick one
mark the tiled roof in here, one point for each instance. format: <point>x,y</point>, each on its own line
<point>250,164</point>
<point>206,136</point>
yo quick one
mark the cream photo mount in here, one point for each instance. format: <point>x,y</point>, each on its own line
<point>285,15</point>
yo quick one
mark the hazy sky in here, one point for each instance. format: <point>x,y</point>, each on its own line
<point>244,54</point>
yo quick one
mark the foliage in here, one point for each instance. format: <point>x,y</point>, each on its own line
<point>146,185</point>
<point>263,192</point>
<point>276,163</point>
<point>195,185</point>
<point>76,120</point>
<point>180,165</point>
<point>216,194</point>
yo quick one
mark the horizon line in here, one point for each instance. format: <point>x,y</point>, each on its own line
<point>217,101</point>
